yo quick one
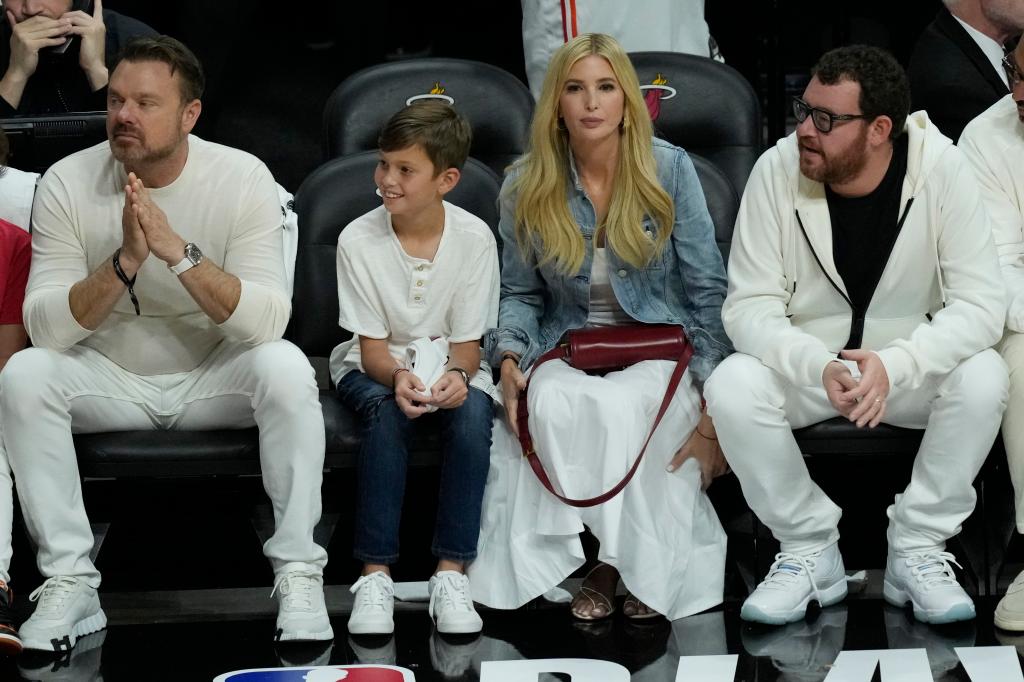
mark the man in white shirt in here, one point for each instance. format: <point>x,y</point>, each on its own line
<point>135,327</point>
<point>993,143</point>
<point>954,70</point>
<point>863,283</point>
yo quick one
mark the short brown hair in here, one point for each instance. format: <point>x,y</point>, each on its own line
<point>174,54</point>
<point>435,126</point>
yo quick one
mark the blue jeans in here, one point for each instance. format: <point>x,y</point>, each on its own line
<point>383,461</point>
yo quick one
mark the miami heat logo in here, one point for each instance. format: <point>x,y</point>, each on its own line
<point>436,92</point>
<point>654,93</point>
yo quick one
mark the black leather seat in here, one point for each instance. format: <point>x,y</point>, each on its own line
<point>497,105</point>
<point>332,196</point>
<point>722,200</point>
<point>705,107</point>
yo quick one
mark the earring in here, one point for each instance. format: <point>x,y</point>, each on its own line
<point>560,124</point>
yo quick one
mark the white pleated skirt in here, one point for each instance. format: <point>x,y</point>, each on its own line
<point>660,532</point>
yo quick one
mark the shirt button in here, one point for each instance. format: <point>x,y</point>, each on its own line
<point>420,268</point>
<point>417,298</point>
<point>419,283</point>
<point>622,273</point>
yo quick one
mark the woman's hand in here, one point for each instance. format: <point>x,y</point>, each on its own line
<point>410,401</point>
<point>512,382</point>
<point>702,445</point>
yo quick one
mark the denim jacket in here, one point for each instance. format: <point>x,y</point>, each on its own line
<point>683,285</point>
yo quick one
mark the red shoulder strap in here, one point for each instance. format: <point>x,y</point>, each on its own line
<point>526,441</point>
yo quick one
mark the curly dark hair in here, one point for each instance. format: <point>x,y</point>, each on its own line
<point>884,90</point>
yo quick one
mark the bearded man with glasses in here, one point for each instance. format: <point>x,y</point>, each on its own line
<point>993,143</point>
<point>863,283</point>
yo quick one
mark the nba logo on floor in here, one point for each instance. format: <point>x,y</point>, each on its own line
<point>332,673</point>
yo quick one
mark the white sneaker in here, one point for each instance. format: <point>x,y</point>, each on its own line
<point>451,606</point>
<point>301,610</point>
<point>66,609</point>
<point>928,583</point>
<point>793,582</point>
<point>374,607</point>
<point>1010,611</point>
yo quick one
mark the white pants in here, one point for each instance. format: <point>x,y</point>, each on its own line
<point>45,396</point>
<point>755,410</point>
<point>1012,349</point>
<point>6,515</point>
<point>660,532</point>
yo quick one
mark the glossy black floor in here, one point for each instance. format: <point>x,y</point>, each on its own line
<point>800,651</point>
<point>187,593</point>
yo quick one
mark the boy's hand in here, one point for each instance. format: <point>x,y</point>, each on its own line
<point>409,400</point>
<point>449,391</point>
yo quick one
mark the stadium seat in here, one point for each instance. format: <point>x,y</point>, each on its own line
<point>497,105</point>
<point>705,107</point>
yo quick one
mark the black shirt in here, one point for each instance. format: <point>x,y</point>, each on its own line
<point>864,231</point>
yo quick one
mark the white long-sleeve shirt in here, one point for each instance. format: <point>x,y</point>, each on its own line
<point>993,143</point>
<point>224,201</point>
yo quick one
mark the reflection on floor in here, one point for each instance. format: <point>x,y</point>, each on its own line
<point>135,649</point>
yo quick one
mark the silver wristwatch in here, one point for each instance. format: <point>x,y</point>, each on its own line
<point>193,257</point>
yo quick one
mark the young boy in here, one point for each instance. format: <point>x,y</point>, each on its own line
<point>417,267</point>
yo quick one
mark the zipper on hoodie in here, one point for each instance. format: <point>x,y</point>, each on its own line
<point>857,316</point>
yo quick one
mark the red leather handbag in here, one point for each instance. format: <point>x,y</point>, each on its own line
<point>608,349</point>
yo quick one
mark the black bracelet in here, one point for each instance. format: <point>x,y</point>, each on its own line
<point>462,373</point>
<point>130,283</point>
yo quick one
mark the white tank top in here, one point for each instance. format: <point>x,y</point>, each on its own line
<point>605,310</point>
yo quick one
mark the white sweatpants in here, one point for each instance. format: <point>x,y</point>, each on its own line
<point>45,396</point>
<point>6,515</point>
<point>1012,350</point>
<point>755,410</point>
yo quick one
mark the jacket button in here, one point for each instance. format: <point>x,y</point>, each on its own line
<point>622,273</point>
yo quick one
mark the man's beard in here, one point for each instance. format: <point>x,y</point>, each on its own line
<point>844,166</point>
<point>140,153</point>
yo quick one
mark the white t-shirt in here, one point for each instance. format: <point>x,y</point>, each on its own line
<point>16,191</point>
<point>224,201</point>
<point>384,293</point>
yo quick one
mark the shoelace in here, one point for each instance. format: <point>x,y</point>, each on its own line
<point>787,570</point>
<point>933,569</point>
<point>297,590</point>
<point>52,594</point>
<point>371,590</point>
<point>451,591</point>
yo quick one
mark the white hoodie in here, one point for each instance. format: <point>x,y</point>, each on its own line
<point>939,301</point>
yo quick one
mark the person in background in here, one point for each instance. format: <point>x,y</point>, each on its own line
<point>15,254</point>
<point>56,55</point>
<point>955,71</point>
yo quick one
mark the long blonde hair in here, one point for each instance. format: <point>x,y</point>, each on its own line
<point>542,206</point>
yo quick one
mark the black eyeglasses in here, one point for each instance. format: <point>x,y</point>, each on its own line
<point>1012,72</point>
<point>823,120</point>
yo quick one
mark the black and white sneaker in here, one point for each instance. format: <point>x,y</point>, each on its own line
<point>10,642</point>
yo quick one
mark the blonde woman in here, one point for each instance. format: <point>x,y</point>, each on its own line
<point>603,225</point>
